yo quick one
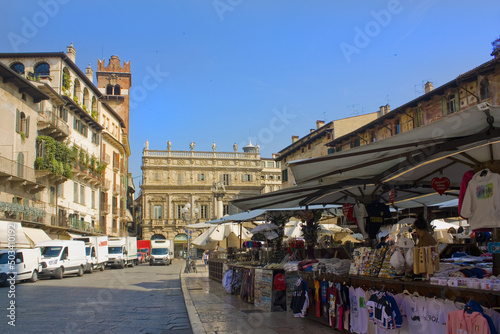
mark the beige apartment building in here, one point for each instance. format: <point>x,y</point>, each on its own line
<point>62,130</point>
<point>206,180</point>
<point>313,144</point>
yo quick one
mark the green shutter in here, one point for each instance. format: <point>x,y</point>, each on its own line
<point>18,121</point>
<point>443,106</point>
<point>28,127</point>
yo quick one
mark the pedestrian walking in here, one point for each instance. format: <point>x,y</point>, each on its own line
<point>205,259</point>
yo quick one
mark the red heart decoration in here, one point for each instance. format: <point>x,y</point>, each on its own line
<point>440,184</point>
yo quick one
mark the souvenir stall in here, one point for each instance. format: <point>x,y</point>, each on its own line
<point>411,287</point>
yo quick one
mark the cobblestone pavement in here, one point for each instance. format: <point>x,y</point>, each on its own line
<point>212,310</point>
<point>143,299</point>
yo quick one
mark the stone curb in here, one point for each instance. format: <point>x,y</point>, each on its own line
<point>194,318</point>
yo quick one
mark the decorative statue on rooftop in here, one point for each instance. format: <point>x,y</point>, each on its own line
<point>235,147</point>
<point>192,145</point>
<point>146,145</point>
<point>214,147</point>
<point>169,145</point>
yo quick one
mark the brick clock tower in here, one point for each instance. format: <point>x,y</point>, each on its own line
<point>114,81</point>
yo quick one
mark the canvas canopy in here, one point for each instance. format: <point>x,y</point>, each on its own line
<point>35,235</point>
<point>12,233</point>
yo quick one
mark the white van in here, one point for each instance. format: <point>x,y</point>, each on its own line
<point>96,251</point>
<point>24,264</point>
<point>62,257</point>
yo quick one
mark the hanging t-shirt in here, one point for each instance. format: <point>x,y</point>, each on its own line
<point>347,211</point>
<point>317,301</point>
<point>354,321</point>
<point>468,175</point>
<point>323,285</point>
<point>481,203</point>
<point>461,322</point>
<point>332,302</point>
<point>432,311</point>
<point>413,308</point>
<point>448,306</point>
<point>379,309</point>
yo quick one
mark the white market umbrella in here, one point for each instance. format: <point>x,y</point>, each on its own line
<point>219,233</point>
<point>264,227</point>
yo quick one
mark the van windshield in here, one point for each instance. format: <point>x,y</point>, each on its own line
<point>159,251</point>
<point>115,250</point>
<point>4,257</point>
<point>87,251</point>
<point>51,251</point>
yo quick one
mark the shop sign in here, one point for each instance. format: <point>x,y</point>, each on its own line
<point>440,184</point>
<point>392,195</point>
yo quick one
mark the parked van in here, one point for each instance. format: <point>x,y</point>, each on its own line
<point>62,257</point>
<point>122,251</point>
<point>24,264</point>
<point>96,252</point>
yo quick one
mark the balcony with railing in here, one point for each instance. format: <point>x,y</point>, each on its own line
<point>18,175</point>
<point>81,225</point>
<point>51,125</point>
<point>116,189</point>
<point>106,184</point>
<point>157,222</point>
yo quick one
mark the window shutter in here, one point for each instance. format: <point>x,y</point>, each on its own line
<point>28,127</point>
<point>443,106</point>
<point>74,123</point>
<point>242,177</point>
<point>18,121</point>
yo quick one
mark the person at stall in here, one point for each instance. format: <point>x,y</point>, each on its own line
<point>421,228</point>
<point>205,259</point>
<point>382,242</point>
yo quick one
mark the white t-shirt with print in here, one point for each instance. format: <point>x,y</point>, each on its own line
<point>413,308</point>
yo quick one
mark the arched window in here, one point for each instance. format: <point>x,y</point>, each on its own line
<point>109,90</point>
<point>18,68</point>
<point>117,90</point>
<point>66,79</point>
<point>77,89</point>
<point>484,89</point>
<point>22,123</point>
<point>86,99</point>
<point>94,107</point>
<point>42,70</point>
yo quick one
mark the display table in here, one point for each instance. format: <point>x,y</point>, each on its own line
<point>216,268</point>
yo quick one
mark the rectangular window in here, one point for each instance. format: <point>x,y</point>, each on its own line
<point>63,114</point>
<point>95,138</point>
<point>225,209</point>
<point>263,164</point>
<point>225,179</point>
<point>270,164</point>
<point>157,176</point>
<point>180,178</point>
<point>247,178</point>
<point>75,192</point>
<point>284,175</point>
<point>203,211</point>
<point>178,211</point>
<point>157,212</point>
<point>201,177</point>
<point>60,190</point>
<point>331,150</point>
<point>93,199</point>
<point>82,194</point>
<point>278,164</point>
<point>52,191</point>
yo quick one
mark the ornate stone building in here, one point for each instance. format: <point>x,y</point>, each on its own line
<point>207,181</point>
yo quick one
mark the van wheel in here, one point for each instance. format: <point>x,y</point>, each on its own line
<point>122,265</point>
<point>101,268</point>
<point>60,273</point>
<point>132,263</point>
<point>80,272</point>
<point>91,269</point>
<point>34,276</point>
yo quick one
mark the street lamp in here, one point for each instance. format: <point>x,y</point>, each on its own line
<point>186,216</point>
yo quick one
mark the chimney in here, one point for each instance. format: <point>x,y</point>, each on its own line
<point>319,124</point>
<point>428,87</point>
<point>90,73</point>
<point>71,52</point>
<point>294,139</point>
<point>381,111</point>
<point>387,108</point>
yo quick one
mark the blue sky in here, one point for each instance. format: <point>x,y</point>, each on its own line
<point>225,71</point>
